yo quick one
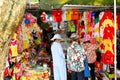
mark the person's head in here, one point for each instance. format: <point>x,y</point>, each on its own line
<point>86,38</point>
<point>57,38</point>
<point>74,37</point>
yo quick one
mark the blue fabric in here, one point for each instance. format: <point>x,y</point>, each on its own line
<point>86,71</point>
<point>77,75</point>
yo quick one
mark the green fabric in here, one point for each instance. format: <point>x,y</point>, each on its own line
<point>72,28</point>
<point>96,20</point>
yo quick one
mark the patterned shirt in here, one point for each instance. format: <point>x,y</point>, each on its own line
<point>90,51</point>
<point>75,57</point>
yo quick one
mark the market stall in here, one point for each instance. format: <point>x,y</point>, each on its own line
<point>28,58</point>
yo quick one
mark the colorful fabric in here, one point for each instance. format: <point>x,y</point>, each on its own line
<point>75,57</point>
<point>108,33</point>
<point>14,50</point>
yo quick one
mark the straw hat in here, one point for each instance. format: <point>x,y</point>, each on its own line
<point>74,36</point>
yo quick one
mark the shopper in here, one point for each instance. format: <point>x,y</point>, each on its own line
<point>90,46</point>
<point>75,59</point>
<point>59,65</point>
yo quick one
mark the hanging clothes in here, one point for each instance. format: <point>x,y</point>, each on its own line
<point>57,15</point>
<point>69,15</point>
<point>75,15</point>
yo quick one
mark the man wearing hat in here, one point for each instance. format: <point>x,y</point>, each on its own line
<point>75,59</point>
<point>59,65</point>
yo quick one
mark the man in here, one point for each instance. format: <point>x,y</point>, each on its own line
<point>75,59</point>
<point>59,65</point>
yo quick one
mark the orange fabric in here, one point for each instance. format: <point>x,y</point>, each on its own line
<point>75,15</point>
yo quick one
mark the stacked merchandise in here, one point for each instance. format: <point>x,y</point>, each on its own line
<point>27,60</point>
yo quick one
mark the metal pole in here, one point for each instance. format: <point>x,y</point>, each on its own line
<point>115,62</point>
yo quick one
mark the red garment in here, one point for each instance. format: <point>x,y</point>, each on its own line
<point>108,33</point>
<point>118,20</point>
<point>102,46</point>
<point>19,74</point>
<point>57,15</point>
<point>107,15</point>
<point>108,57</point>
<point>99,65</point>
<point>6,72</point>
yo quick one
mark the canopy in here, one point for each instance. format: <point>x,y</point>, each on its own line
<point>50,4</point>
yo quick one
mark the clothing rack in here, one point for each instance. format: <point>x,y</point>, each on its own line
<point>87,7</point>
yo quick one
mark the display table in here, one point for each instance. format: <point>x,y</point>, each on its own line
<point>37,74</point>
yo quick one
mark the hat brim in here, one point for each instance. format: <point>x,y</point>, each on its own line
<point>56,38</point>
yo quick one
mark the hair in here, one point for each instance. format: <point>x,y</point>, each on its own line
<point>74,39</point>
<point>87,41</point>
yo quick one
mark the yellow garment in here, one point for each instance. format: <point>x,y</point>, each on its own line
<point>14,50</point>
<point>69,15</point>
<point>89,29</point>
<point>25,44</point>
<point>108,21</point>
<point>15,36</point>
<point>97,39</point>
<point>27,30</point>
<point>108,45</point>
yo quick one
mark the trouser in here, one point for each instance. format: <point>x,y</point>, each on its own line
<point>77,75</point>
<point>92,71</point>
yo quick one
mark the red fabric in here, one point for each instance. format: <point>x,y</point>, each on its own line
<point>75,15</point>
<point>6,72</point>
<point>118,20</point>
<point>83,33</point>
<point>107,15</point>
<point>99,65</point>
<point>108,57</point>
<point>108,33</point>
<point>57,15</point>
<point>102,46</point>
<point>10,52</point>
<point>19,74</point>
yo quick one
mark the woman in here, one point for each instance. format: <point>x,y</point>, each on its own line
<point>59,65</point>
<point>90,46</point>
